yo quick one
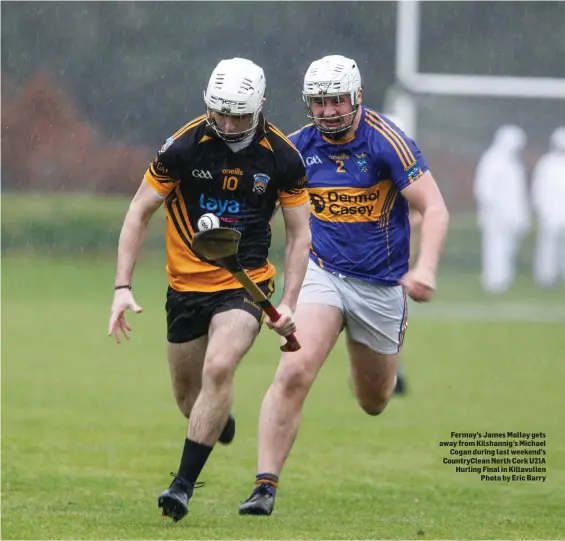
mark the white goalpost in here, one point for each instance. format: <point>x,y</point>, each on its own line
<point>410,81</point>
<point>453,117</point>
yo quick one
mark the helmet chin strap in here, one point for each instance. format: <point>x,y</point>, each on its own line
<point>231,138</point>
<point>236,137</point>
<point>336,133</point>
<point>242,143</point>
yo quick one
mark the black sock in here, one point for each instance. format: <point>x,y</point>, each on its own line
<point>269,479</point>
<point>194,457</point>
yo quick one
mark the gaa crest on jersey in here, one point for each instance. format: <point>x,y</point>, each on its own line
<point>362,164</point>
<point>260,181</point>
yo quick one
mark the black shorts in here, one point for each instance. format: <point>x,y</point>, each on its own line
<point>189,312</point>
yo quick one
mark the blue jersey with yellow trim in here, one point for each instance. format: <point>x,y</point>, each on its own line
<point>359,220</point>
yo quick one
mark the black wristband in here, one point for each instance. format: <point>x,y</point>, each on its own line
<point>122,287</point>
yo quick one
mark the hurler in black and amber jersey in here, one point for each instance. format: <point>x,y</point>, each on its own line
<point>232,163</point>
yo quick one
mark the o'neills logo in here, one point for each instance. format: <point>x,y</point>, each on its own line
<point>236,171</point>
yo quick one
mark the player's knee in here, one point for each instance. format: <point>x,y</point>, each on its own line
<point>373,406</point>
<point>217,372</point>
<point>294,379</point>
<point>375,402</point>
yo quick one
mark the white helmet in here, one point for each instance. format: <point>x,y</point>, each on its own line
<point>236,87</point>
<point>333,75</point>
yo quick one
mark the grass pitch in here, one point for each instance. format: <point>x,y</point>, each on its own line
<point>90,430</point>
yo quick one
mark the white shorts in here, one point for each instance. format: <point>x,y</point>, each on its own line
<point>375,315</point>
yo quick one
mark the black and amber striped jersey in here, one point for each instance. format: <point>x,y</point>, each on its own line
<point>359,220</point>
<point>198,173</point>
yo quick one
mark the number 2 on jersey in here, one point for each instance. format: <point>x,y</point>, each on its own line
<point>340,168</point>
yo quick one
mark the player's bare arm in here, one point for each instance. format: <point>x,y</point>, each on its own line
<point>141,209</point>
<point>297,249</point>
<point>425,197</point>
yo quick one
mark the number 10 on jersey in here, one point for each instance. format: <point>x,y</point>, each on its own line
<point>230,183</point>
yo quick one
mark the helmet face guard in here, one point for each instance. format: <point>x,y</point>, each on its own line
<point>345,120</point>
<point>232,137</point>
